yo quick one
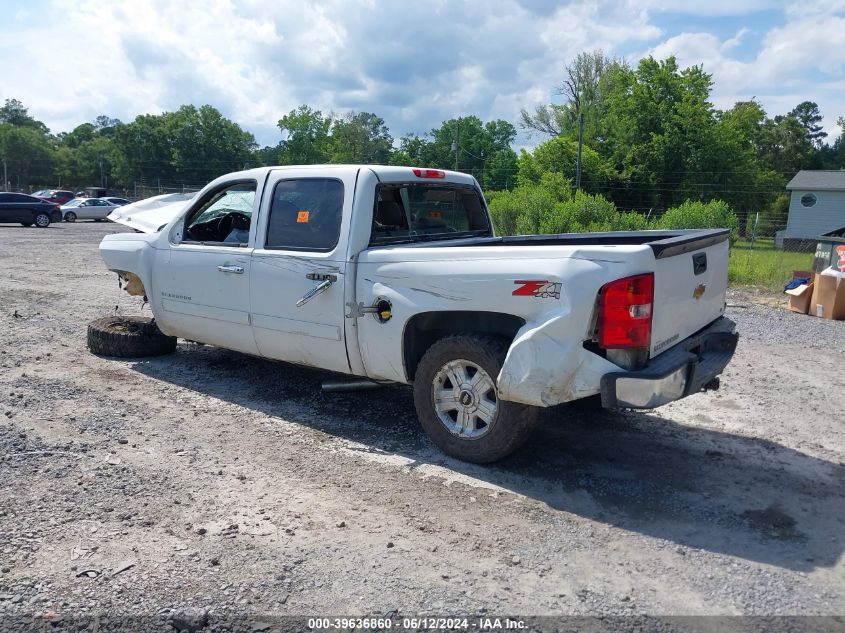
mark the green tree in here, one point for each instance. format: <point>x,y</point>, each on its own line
<point>807,113</point>
<point>205,144</point>
<point>786,147</point>
<point>559,155</point>
<point>15,113</point>
<point>659,132</point>
<point>306,137</point>
<point>143,150</point>
<point>28,155</point>
<point>582,90</point>
<point>833,156</point>
<point>189,146</point>
<point>360,137</point>
<point>481,149</point>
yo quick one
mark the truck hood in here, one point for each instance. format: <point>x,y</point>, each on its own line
<point>152,214</point>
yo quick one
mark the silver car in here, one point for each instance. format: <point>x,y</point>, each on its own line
<point>87,209</point>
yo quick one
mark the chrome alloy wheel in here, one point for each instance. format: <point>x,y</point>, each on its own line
<point>464,397</point>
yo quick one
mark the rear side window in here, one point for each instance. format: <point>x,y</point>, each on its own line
<point>305,214</point>
<point>422,212</point>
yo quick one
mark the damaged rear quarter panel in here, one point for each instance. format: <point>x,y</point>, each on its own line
<point>546,363</point>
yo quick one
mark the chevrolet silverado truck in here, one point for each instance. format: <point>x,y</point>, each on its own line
<point>395,274</point>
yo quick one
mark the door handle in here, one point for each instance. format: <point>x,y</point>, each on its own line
<point>316,290</point>
<point>238,270</point>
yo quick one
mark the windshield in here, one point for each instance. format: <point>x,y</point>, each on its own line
<point>413,212</point>
<point>73,203</point>
<point>44,192</point>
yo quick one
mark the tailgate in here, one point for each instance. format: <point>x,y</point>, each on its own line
<point>690,280</point>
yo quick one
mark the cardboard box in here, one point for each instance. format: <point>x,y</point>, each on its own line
<point>799,298</point>
<point>828,299</point>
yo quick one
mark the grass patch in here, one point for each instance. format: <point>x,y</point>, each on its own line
<point>764,265</point>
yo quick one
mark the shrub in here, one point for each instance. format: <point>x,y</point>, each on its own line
<point>715,214</point>
<point>519,211</point>
<point>578,214</point>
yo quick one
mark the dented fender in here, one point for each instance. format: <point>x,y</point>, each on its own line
<point>546,365</point>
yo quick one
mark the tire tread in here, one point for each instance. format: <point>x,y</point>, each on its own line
<point>105,339</point>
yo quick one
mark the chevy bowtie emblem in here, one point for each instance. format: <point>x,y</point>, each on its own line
<point>699,291</point>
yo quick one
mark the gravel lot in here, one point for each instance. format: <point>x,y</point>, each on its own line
<point>207,486</point>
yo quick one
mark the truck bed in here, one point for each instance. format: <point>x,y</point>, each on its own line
<point>662,243</point>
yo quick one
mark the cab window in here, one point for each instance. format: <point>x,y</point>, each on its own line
<point>305,214</point>
<point>223,216</point>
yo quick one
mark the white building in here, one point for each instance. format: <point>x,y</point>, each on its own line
<point>816,204</point>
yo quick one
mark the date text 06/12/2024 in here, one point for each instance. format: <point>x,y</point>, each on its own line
<point>417,624</point>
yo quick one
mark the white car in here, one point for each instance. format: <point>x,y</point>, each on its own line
<point>394,274</point>
<point>87,209</point>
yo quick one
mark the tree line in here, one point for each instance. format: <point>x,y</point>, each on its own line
<point>651,139</point>
<point>192,146</point>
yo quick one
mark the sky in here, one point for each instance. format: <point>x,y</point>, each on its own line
<point>416,64</point>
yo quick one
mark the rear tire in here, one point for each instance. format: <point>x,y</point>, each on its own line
<point>42,220</point>
<point>70,216</point>
<point>457,400</point>
<point>128,337</point>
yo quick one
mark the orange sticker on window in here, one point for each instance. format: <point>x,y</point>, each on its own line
<point>302,217</point>
<point>435,215</point>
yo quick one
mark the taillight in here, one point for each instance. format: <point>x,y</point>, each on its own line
<point>625,309</point>
<point>429,173</point>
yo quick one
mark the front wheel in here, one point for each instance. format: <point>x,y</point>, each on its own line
<point>457,399</point>
<point>70,216</point>
<point>42,220</point>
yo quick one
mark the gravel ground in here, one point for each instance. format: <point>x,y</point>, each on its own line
<point>207,487</point>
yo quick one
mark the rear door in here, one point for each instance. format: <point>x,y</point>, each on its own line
<point>99,209</point>
<point>689,291</point>
<point>85,210</point>
<point>299,266</point>
<point>16,207</point>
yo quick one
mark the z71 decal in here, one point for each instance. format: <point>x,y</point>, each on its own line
<point>542,289</point>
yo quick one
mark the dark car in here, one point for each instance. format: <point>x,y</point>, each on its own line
<point>59,196</point>
<point>28,210</point>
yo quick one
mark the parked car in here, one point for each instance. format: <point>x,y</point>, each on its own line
<point>118,201</point>
<point>58,196</point>
<point>96,209</point>
<point>28,210</point>
<point>394,274</point>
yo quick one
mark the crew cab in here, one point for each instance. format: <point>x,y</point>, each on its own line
<point>395,274</point>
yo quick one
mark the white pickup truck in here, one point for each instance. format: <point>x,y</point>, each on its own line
<point>395,274</point>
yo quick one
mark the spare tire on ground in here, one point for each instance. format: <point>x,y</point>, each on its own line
<point>128,337</point>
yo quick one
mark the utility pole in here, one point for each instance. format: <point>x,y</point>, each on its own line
<point>580,144</point>
<point>456,147</point>
<point>102,180</point>
<point>5,176</point>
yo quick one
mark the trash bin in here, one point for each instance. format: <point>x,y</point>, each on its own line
<point>830,250</point>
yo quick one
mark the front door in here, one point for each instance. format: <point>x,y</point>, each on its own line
<point>202,280</point>
<point>298,267</point>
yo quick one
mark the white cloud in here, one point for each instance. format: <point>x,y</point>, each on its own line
<point>413,63</point>
<point>801,60</point>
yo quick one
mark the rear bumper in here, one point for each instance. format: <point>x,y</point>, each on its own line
<point>678,372</point>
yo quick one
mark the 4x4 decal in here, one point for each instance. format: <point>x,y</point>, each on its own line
<point>544,289</point>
